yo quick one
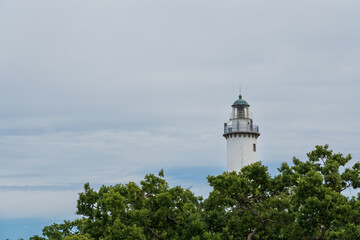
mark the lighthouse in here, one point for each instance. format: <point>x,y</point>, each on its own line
<point>241,136</point>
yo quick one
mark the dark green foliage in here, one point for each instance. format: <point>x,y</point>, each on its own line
<point>304,201</point>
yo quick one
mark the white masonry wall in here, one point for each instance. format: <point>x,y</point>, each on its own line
<point>240,152</point>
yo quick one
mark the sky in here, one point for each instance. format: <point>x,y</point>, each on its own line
<point>107,91</point>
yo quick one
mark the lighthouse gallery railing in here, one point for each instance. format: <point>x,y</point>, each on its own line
<point>231,129</point>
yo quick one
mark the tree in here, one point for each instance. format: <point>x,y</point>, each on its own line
<point>304,201</point>
<point>246,205</point>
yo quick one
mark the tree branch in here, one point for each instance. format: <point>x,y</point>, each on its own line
<point>256,214</point>
<point>173,219</point>
<point>157,236</point>
<point>253,232</point>
<point>321,237</point>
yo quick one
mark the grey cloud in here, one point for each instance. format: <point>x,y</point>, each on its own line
<point>105,91</point>
<point>100,156</point>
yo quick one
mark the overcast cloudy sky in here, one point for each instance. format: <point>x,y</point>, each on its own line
<point>106,91</point>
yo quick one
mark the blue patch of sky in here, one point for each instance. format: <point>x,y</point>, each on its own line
<point>22,227</point>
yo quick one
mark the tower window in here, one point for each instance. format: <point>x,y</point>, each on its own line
<point>254,147</point>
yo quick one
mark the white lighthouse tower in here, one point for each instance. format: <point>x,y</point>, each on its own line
<point>241,135</point>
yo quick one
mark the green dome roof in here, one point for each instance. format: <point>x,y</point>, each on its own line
<point>240,102</point>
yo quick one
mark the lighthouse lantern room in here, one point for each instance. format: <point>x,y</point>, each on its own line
<point>241,135</point>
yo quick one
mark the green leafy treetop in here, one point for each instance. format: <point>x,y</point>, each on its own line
<point>304,201</point>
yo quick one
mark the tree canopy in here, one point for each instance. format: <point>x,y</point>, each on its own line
<point>304,200</point>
